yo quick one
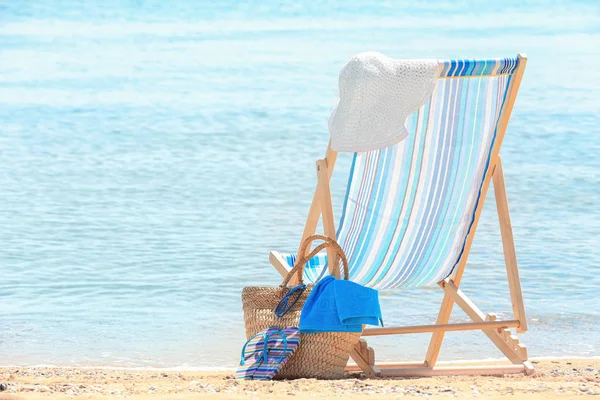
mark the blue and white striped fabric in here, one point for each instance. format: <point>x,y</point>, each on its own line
<point>265,353</point>
<point>409,207</point>
<point>314,266</point>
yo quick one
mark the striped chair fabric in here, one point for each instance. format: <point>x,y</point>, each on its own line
<point>409,208</point>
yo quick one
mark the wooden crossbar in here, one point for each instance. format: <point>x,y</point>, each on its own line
<point>450,371</point>
<point>467,326</point>
<point>420,369</point>
<point>356,367</point>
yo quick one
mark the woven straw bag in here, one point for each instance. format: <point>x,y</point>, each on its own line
<point>320,355</point>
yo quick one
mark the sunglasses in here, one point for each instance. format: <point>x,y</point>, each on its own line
<point>288,301</point>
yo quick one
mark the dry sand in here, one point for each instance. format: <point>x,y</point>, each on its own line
<point>552,380</point>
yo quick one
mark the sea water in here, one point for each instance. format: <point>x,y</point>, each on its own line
<point>152,153</point>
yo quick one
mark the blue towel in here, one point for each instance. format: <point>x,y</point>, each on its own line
<point>339,306</point>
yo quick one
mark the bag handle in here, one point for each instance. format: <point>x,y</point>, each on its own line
<point>301,262</point>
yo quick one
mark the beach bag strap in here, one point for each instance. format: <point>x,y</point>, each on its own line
<point>301,262</point>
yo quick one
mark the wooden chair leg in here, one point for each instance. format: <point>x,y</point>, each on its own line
<point>314,214</point>
<point>327,211</point>
<point>315,208</point>
<point>435,344</point>
<point>508,244</point>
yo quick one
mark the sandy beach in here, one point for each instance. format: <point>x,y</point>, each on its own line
<point>553,379</point>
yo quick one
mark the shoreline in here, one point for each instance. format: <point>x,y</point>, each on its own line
<point>554,378</point>
<point>224,369</point>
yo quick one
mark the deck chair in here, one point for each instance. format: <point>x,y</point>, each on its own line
<point>411,211</point>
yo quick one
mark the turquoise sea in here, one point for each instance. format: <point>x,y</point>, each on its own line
<point>153,152</point>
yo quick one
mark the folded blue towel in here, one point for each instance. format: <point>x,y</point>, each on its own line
<point>339,306</point>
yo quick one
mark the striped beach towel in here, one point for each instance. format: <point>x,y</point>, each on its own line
<point>265,353</point>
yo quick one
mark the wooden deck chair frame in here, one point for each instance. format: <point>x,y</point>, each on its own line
<point>497,331</point>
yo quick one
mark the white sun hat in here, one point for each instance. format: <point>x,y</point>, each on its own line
<point>377,94</point>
